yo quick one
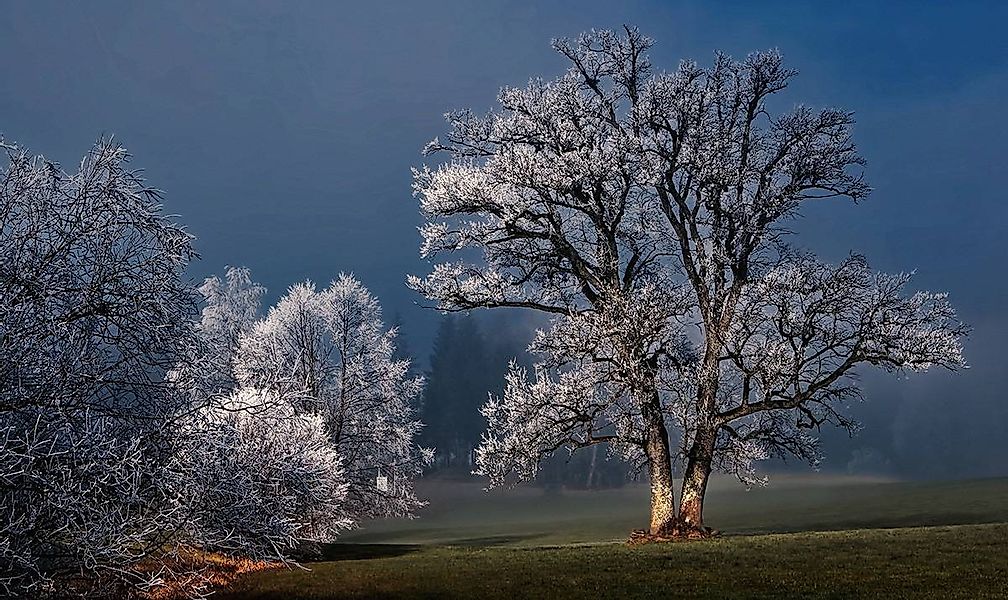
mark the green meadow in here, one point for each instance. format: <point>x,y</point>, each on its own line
<point>800,537</point>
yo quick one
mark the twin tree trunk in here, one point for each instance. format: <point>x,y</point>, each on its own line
<point>698,469</point>
<point>665,522</point>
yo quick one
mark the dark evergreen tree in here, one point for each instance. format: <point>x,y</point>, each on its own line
<point>402,348</point>
<point>464,369</point>
<point>477,376</point>
<point>438,392</point>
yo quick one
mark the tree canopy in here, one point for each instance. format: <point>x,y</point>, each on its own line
<point>648,211</point>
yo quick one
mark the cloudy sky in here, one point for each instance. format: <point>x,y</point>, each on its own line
<point>283,134</point>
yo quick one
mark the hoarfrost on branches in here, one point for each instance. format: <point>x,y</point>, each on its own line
<point>258,479</point>
<point>267,480</point>
<point>294,419</point>
<point>327,353</point>
<point>230,309</point>
<point>647,211</point>
<point>129,440</point>
<point>93,314</point>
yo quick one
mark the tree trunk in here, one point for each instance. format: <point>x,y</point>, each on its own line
<point>700,457</point>
<point>591,467</point>
<point>663,517</point>
<point>698,469</point>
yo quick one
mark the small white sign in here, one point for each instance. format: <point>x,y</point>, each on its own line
<point>382,483</point>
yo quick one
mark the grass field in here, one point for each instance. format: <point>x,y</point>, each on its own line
<point>802,537</point>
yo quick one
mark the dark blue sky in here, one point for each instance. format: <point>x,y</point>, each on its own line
<point>284,133</point>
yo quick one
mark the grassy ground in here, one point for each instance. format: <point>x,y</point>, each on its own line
<point>464,514</point>
<point>529,544</point>
<point>967,561</point>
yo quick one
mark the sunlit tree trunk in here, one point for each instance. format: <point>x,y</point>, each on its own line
<point>698,469</point>
<point>663,515</point>
<point>700,456</point>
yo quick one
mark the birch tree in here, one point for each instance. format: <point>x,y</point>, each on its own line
<point>639,207</point>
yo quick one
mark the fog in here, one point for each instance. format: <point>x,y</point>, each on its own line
<point>283,135</point>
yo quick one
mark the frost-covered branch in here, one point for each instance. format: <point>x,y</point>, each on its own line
<point>647,212</point>
<point>327,353</point>
<point>93,313</point>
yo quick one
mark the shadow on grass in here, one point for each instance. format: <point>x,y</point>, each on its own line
<point>493,540</point>
<point>913,520</point>
<point>338,552</point>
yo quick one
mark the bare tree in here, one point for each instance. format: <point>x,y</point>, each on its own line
<point>93,313</point>
<point>641,207</point>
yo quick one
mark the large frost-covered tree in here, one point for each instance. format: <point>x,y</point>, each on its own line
<point>647,211</point>
<point>328,353</point>
<point>94,312</point>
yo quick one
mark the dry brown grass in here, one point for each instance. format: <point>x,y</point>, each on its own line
<point>192,570</point>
